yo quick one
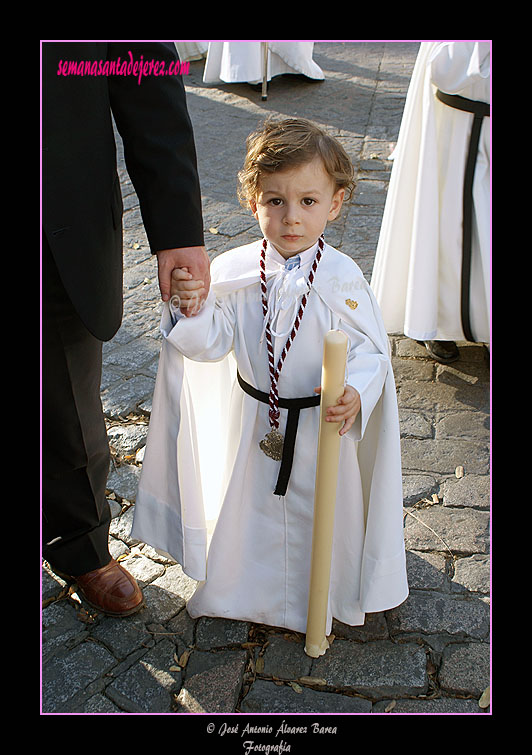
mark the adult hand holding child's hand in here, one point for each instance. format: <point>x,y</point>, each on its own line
<point>189,293</point>
<point>196,262</point>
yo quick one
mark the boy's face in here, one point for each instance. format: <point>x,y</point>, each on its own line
<point>294,205</point>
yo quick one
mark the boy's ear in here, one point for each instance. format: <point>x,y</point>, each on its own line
<point>336,204</point>
<point>253,207</point>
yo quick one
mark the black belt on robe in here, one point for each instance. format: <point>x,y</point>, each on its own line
<point>480,110</point>
<point>294,405</point>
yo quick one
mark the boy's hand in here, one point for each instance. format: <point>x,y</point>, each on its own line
<point>195,258</point>
<point>346,409</point>
<point>189,293</point>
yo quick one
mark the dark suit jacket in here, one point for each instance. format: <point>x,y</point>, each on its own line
<point>81,198</point>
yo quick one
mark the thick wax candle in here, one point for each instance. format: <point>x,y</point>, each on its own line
<point>332,388</point>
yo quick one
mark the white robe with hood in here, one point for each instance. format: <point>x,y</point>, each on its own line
<point>417,272</point>
<point>203,449</point>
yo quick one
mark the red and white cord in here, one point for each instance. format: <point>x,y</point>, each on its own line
<point>274,412</point>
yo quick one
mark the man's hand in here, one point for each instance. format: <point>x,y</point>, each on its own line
<point>346,409</point>
<point>194,258</point>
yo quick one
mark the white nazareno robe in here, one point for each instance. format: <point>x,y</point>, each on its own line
<point>242,61</point>
<point>191,50</point>
<point>203,462</point>
<point>416,274</point>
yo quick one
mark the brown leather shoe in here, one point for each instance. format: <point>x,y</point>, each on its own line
<point>111,590</point>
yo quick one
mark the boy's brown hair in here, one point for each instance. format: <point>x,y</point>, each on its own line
<point>279,145</point>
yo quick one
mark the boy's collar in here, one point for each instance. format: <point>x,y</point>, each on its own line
<point>306,256</point>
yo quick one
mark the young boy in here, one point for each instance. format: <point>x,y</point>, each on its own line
<point>253,403</point>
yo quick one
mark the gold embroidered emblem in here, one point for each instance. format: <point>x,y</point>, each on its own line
<point>351,304</point>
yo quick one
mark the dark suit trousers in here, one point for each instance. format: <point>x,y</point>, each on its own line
<point>75,449</point>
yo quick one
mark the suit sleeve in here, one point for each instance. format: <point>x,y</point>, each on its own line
<point>152,118</point>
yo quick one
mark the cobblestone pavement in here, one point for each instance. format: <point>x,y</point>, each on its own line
<point>429,655</point>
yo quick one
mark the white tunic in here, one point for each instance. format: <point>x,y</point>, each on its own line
<point>192,50</point>
<point>242,61</point>
<point>258,562</point>
<point>416,275</point>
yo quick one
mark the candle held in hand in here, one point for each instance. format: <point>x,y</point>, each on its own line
<point>332,388</point>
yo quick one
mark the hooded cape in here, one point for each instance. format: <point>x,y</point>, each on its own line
<point>180,478</point>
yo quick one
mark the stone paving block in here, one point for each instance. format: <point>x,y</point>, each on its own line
<point>465,669</point>
<point>145,405</point>
<point>407,347</point>
<point>472,574</point>
<point>66,675</point>
<point>133,356</point>
<point>434,612</point>
<point>460,531</point>
<point>182,626</point>
<point>440,397</point>
<point>464,372</point>
<point>451,705</point>
<point>371,192</point>
<point>125,396</point>
<point>149,685</point>
<point>143,569</point>
<point>115,508</point>
<point>374,669</point>
<point>126,439</point>
<point>137,320</point>
<point>378,150</point>
<point>167,596</point>
<point>286,659</point>
<point>473,425</point>
<point>117,548</point>
<point>120,527</point>
<point>141,273</point>
<point>213,632</point>
<point>176,581</point>
<point>475,352</point>
<point>132,219</point>
<point>60,627</point>
<point>235,224</point>
<point>161,604</point>
<point>100,704</point>
<point>51,584</point>
<point>444,455</point>
<point>144,295</point>
<point>470,490</point>
<point>411,369</point>
<point>374,628</point>
<point>124,481</point>
<point>414,425</point>
<point>362,224</point>
<point>267,697</point>
<point>213,682</point>
<point>122,636</point>
<point>418,486</point>
<point>153,555</point>
<point>426,571</point>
